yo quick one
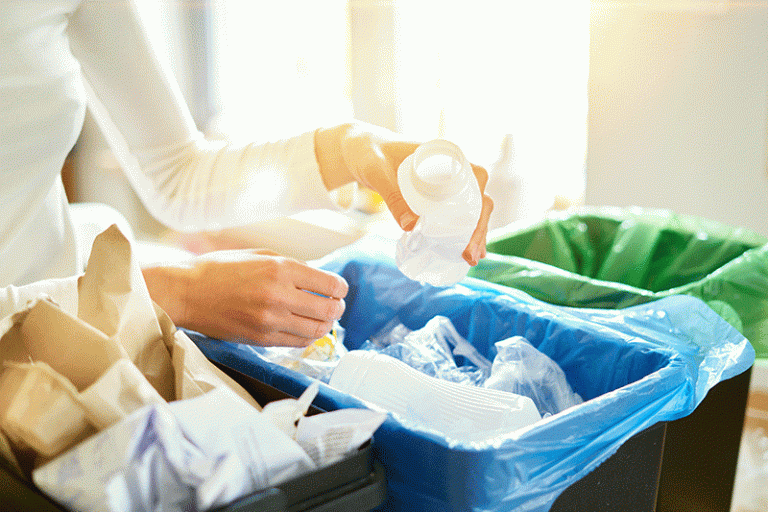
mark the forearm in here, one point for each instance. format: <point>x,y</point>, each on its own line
<point>185,181</point>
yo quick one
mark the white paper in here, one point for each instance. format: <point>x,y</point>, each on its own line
<point>203,453</point>
<point>252,452</point>
<point>332,436</point>
<point>285,414</point>
<point>140,464</point>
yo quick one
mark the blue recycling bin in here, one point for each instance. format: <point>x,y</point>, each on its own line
<point>636,369</point>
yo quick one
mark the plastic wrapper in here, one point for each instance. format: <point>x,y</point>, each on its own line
<point>317,360</point>
<point>429,350</point>
<point>519,368</point>
<point>633,367</point>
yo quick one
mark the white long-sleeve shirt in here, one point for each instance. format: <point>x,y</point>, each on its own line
<point>58,55</point>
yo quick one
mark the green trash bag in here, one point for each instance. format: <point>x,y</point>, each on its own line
<point>614,258</point>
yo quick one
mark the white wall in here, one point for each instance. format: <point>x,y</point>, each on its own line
<point>678,112</point>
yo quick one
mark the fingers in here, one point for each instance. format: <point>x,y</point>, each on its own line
<point>319,308</point>
<point>482,176</point>
<point>476,247</point>
<point>375,166</point>
<point>277,326</point>
<point>383,179</point>
<point>318,281</point>
<point>292,330</point>
<point>400,210</point>
<point>281,339</point>
<point>265,252</point>
<point>307,328</point>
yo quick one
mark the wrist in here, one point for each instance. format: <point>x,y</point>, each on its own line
<point>169,287</point>
<point>330,155</point>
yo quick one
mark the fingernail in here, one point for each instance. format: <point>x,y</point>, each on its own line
<point>408,220</point>
<point>342,308</point>
<point>476,255</point>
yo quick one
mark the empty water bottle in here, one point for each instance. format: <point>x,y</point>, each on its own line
<point>440,187</point>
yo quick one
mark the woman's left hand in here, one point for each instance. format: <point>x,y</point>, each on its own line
<point>371,156</point>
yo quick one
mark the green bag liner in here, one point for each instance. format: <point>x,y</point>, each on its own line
<point>612,258</point>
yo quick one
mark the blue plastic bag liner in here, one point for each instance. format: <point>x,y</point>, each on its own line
<point>633,367</point>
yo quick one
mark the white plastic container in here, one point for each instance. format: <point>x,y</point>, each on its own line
<point>460,412</point>
<point>440,187</point>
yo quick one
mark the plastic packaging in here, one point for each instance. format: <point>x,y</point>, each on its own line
<point>316,360</point>
<point>429,350</point>
<point>519,368</point>
<point>440,187</point>
<point>460,413</point>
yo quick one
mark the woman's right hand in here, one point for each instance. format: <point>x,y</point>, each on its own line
<point>250,296</point>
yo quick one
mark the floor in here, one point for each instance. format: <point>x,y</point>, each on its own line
<point>751,488</point>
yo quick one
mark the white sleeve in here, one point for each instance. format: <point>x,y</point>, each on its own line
<point>62,291</point>
<point>186,181</point>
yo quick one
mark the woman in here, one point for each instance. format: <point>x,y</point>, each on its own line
<point>56,53</point>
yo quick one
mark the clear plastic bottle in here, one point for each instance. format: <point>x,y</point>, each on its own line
<point>457,411</point>
<point>438,184</point>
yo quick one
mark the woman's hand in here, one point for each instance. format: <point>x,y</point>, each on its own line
<point>254,296</point>
<point>371,155</point>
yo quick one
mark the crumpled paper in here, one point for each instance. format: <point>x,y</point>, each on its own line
<point>115,409</point>
<point>65,377</point>
<point>170,456</point>
<point>327,437</point>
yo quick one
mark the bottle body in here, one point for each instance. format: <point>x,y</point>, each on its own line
<point>460,412</point>
<point>439,185</point>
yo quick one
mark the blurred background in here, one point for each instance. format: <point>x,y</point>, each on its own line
<point>659,104</point>
<point>505,80</point>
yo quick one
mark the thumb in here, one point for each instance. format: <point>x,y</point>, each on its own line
<point>400,210</point>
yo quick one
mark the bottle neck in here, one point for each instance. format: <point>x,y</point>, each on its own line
<point>437,177</point>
